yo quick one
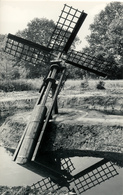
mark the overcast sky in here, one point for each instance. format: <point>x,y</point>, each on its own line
<point>15,14</point>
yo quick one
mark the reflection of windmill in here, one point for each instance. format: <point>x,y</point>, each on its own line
<point>82,181</point>
<point>68,25</point>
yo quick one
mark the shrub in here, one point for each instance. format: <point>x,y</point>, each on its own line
<point>84,84</point>
<point>19,85</point>
<point>100,85</point>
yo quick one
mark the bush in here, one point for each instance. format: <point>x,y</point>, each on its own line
<point>84,84</point>
<point>100,85</point>
<point>20,85</point>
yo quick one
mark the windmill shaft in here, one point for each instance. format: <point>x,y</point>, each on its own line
<point>27,144</point>
<point>48,115</point>
<point>33,134</point>
<point>75,31</point>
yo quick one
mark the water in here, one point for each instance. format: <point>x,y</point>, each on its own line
<point>12,174</point>
<point>113,186</point>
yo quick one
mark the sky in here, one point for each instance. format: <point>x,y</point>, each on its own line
<point>16,14</point>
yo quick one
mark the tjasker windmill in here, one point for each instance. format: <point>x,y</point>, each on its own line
<point>58,53</point>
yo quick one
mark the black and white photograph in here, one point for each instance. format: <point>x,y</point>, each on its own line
<point>61,97</point>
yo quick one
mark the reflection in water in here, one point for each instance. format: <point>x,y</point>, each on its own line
<point>112,186</point>
<point>93,175</point>
<point>82,181</point>
<point>79,174</point>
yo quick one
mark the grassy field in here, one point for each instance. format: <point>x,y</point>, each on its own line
<point>34,84</point>
<point>74,85</point>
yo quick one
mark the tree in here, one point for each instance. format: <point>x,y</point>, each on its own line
<point>106,39</point>
<point>8,68</point>
<point>115,34</point>
<point>6,62</point>
<point>38,31</point>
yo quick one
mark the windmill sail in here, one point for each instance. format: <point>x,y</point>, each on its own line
<point>45,185</point>
<point>66,29</point>
<point>26,50</point>
<point>62,37</point>
<point>92,64</point>
<point>93,175</point>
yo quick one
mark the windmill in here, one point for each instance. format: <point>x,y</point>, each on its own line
<point>57,54</point>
